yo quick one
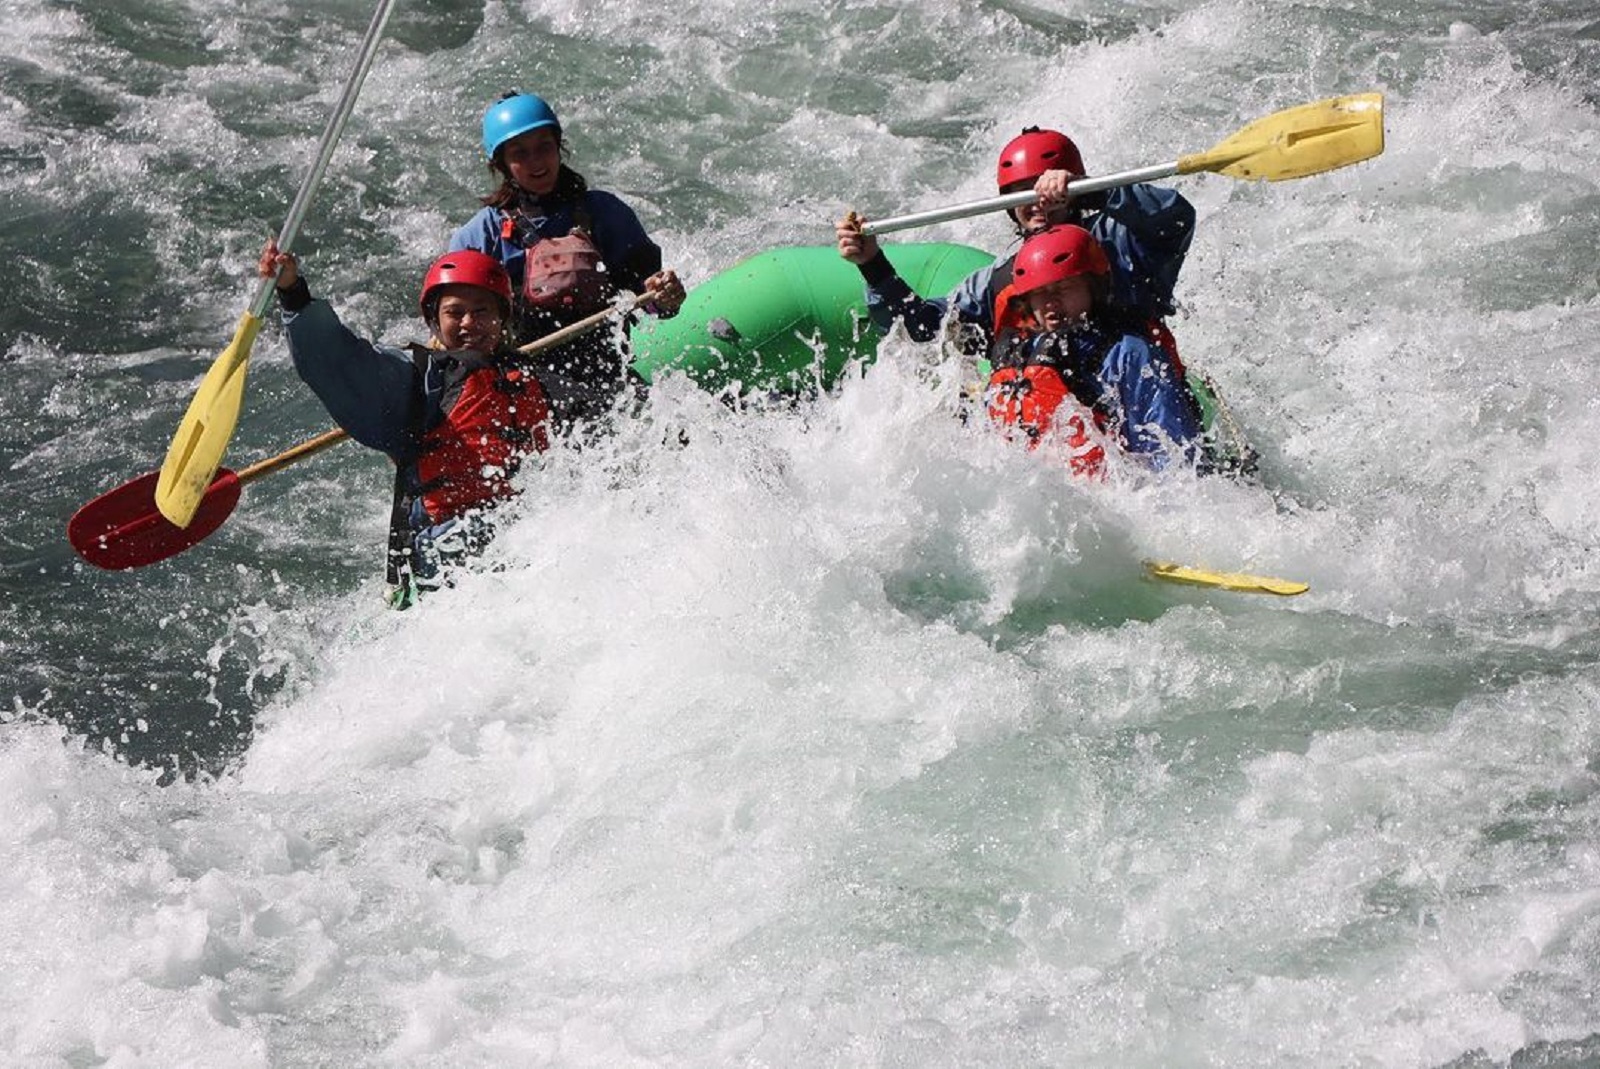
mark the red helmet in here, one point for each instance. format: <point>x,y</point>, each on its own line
<point>1032,153</point>
<point>1054,254</point>
<point>468,267</point>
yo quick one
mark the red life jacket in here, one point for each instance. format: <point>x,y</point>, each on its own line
<point>493,417</point>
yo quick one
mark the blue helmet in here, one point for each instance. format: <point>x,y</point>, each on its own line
<point>513,115</point>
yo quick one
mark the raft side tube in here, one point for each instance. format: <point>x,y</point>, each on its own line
<point>787,319</point>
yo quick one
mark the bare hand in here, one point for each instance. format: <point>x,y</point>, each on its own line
<point>667,292</point>
<point>1052,188</point>
<point>855,246</point>
<point>280,265</point>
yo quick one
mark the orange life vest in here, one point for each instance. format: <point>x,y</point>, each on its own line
<point>1036,401</point>
<point>1035,398</point>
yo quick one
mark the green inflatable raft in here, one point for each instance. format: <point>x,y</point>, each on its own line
<point>788,320</point>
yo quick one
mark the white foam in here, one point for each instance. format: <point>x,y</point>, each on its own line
<point>849,733</point>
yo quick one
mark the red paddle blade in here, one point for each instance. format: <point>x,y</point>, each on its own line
<point>122,528</point>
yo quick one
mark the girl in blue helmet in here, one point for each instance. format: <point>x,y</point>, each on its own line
<point>569,250</point>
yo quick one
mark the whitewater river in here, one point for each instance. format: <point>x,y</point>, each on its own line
<point>839,735</point>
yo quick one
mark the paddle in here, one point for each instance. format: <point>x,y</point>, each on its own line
<point>123,528</point>
<point>202,437</point>
<point>1239,582</point>
<point>1300,141</point>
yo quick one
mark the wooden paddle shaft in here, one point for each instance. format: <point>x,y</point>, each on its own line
<point>290,456</point>
<point>586,324</point>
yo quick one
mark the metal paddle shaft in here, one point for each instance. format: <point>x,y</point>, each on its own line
<point>1006,201</point>
<point>330,140</point>
<point>203,434</point>
<point>1293,143</point>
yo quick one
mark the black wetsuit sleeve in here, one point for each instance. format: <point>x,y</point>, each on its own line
<point>295,297</point>
<point>890,299</point>
<point>642,261</point>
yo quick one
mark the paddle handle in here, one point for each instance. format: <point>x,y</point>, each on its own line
<point>1005,201</point>
<point>330,139</point>
<point>291,456</point>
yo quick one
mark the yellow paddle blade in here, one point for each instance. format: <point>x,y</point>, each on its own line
<point>196,450</point>
<point>1308,139</point>
<point>1240,582</point>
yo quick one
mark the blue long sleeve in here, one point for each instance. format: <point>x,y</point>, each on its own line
<point>1146,231</point>
<point>369,390</point>
<point>1156,413</point>
<point>889,299</point>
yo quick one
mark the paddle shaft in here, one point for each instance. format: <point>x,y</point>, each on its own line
<point>291,456</point>
<point>1006,201</point>
<point>145,521</point>
<point>330,139</point>
<point>586,324</point>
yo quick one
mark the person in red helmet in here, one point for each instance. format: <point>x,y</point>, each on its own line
<point>1064,368</point>
<point>457,416</point>
<point>1145,231</point>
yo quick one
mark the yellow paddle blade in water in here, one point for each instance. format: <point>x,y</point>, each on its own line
<point>1240,582</point>
<point>1300,141</point>
<point>203,436</point>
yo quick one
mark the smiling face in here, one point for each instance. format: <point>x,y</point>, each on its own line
<point>469,317</point>
<point>533,160</point>
<point>1062,303</point>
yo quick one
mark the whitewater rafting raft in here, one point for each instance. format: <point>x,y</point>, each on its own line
<point>791,320</point>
